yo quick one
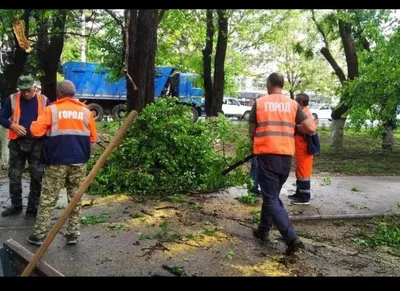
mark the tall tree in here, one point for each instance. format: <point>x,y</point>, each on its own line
<point>355,29</point>
<point>50,43</point>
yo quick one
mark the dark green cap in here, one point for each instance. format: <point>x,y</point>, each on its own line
<point>25,82</point>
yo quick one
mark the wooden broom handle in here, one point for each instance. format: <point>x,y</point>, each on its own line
<point>79,193</point>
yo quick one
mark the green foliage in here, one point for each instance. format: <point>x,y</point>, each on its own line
<point>248,199</point>
<point>387,234</point>
<point>165,153</point>
<point>375,92</point>
<point>93,219</point>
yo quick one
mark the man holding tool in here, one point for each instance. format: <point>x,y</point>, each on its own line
<point>272,123</point>
<point>70,128</point>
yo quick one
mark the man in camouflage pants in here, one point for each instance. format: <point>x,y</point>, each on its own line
<point>70,128</point>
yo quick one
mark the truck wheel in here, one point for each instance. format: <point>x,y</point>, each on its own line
<point>195,114</point>
<point>246,115</point>
<point>97,110</point>
<point>118,111</point>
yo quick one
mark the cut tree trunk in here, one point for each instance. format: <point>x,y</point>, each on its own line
<point>337,130</point>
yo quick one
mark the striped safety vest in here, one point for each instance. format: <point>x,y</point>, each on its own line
<point>276,122</point>
<point>16,110</point>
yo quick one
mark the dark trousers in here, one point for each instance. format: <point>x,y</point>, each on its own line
<point>254,173</point>
<point>273,171</point>
<point>22,150</point>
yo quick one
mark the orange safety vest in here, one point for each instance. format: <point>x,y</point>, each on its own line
<point>16,110</point>
<point>69,117</point>
<point>276,122</point>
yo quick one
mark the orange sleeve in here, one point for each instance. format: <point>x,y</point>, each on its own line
<point>42,124</point>
<point>92,128</point>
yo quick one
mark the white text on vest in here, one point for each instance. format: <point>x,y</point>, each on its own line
<point>277,106</point>
<point>68,114</point>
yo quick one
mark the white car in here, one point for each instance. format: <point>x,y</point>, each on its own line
<point>231,107</point>
<point>323,111</point>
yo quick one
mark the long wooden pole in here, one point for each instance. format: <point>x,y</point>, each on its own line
<point>79,193</point>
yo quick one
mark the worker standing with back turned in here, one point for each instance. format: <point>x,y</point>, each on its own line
<point>69,127</point>
<point>272,123</point>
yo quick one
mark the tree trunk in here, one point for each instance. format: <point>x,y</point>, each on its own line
<point>131,19</point>
<point>388,136</point>
<point>12,71</point>
<point>155,20</point>
<point>219,66</point>
<point>207,53</point>
<point>337,130</point>
<point>345,31</point>
<point>5,153</point>
<point>291,94</point>
<point>83,38</point>
<point>146,20</point>
<point>49,52</point>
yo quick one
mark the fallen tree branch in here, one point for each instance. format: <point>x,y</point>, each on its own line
<point>146,212</point>
<point>167,207</point>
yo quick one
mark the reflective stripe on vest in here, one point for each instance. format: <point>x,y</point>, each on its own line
<point>16,110</point>
<point>276,116</point>
<point>14,97</point>
<point>55,131</point>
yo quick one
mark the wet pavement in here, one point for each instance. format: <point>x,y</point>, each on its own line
<point>105,251</point>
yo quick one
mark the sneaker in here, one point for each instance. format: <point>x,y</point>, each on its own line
<point>300,201</point>
<point>263,236</point>
<point>34,240</point>
<point>11,211</point>
<point>72,239</point>
<point>294,246</point>
<point>294,196</point>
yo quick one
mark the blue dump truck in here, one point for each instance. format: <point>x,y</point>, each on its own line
<point>104,98</point>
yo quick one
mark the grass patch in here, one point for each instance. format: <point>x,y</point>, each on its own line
<point>313,237</point>
<point>93,219</point>
<point>362,154</point>
<point>250,199</point>
<point>387,233</point>
<point>256,215</point>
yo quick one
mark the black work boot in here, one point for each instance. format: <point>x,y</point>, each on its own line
<point>294,246</point>
<point>31,212</point>
<point>261,235</point>
<point>11,211</point>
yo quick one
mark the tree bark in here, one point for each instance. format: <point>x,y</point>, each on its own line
<point>131,22</point>
<point>207,53</point>
<point>219,66</point>
<point>337,129</point>
<point>49,52</point>
<point>146,23</point>
<point>291,94</point>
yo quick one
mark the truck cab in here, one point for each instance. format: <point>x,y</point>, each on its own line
<point>105,98</point>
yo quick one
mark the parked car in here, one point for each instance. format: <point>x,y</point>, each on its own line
<point>231,107</point>
<point>323,111</point>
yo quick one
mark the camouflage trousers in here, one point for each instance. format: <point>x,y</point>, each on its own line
<point>22,150</point>
<point>55,178</point>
